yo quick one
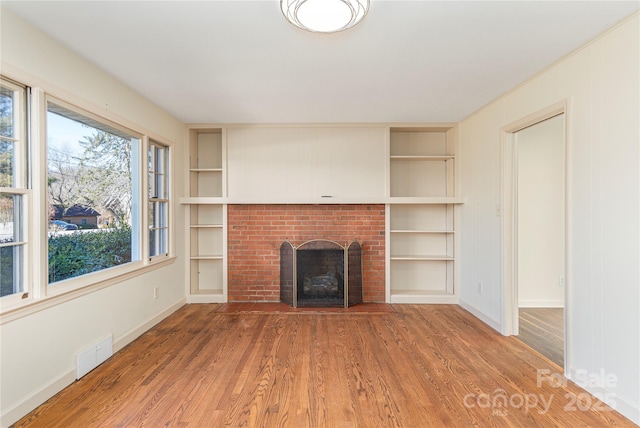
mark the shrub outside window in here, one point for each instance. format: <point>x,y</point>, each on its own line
<point>92,189</point>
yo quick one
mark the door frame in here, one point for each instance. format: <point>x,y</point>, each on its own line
<point>509,220</point>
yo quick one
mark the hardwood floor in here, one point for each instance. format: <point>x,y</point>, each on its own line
<point>415,366</point>
<point>543,330</point>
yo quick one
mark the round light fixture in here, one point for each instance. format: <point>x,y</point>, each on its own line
<point>324,16</point>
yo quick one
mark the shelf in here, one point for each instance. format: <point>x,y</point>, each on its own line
<point>415,257</point>
<point>208,292</point>
<point>205,170</point>
<point>203,200</point>
<point>422,184</point>
<point>422,158</point>
<point>422,297</point>
<point>396,200</point>
<point>422,231</point>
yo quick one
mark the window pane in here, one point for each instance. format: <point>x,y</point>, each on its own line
<point>7,112</point>
<point>162,214</point>
<point>11,260</point>
<point>90,171</point>
<point>158,210</point>
<point>152,215</point>
<point>9,104</point>
<point>160,186</point>
<point>162,241</point>
<point>7,155</point>
<point>11,250</point>
<point>152,185</point>
<point>10,218</point>
<point>153,251</point>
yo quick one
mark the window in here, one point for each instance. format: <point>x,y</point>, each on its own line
<point>158,199</point>
<point>93,172</point>
<point>13,187</point>
<point>73,200</point>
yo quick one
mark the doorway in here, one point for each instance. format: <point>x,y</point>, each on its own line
<point>535,190</point>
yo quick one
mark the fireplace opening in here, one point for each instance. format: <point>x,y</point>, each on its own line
<point>320,277</point>
<point>321,273</point>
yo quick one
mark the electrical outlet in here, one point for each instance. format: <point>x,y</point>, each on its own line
<point>561,281</point>
<point>156,292</point>
<point>480,286</point>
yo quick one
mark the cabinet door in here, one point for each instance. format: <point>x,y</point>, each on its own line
<point>298,163</point>
<point>350,162</point>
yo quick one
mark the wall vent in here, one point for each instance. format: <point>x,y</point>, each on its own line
<point>94,356</point>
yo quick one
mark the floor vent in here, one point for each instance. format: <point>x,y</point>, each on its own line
<point>94,356</point>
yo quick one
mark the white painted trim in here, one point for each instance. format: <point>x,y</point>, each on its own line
<point>541,304</point>
<point>422,298</point>
<point>28,79</point>
<point>482,317</point>
<point>133,334</point>
<point>27,404</point>
<point>387,252</point>
<point>621,405</point>
<point>442,126</point>
<point>206,298</point>
<point>509,214</point>
<point>323,201</point>
<point>9,314</point>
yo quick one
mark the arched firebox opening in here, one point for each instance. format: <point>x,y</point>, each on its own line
<point>321,272</point>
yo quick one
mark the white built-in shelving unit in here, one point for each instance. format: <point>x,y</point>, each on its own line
<point>207,216</point>
<point>409,169</point>
<point>421,215</point>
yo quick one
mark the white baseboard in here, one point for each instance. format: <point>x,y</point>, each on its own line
<point>206,298</point>
<point>541,304</point>
<point>622,406</point>
<point>132,335</point>
<point>29,403</point>
<point>482,317</point>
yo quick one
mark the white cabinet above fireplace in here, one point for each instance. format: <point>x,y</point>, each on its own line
<point>298,164</point>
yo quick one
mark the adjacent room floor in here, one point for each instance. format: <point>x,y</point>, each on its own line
<point>543,330</point>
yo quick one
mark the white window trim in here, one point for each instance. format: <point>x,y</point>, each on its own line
<point>21,186</point>
<point>40,295</point>
<point>148,142</point>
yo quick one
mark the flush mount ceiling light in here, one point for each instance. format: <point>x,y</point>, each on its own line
<point>324,16</point>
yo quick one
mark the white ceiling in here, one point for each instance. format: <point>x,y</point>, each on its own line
<point>241,62</point>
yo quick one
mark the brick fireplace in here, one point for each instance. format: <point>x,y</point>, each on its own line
<point>255,233</point>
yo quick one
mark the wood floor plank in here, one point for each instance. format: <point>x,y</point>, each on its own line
<point>543,330</point>
<point>415,366</point>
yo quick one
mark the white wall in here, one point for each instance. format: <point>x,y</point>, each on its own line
<point>600,84</point>
<point>38,351</point>
<point>540,163</point>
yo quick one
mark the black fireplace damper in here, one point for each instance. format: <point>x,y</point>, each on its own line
<point>321,273</point>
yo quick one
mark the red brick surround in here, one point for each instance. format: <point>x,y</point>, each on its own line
<point>255,233</point>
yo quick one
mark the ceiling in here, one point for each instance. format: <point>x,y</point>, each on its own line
<point>241,62</point>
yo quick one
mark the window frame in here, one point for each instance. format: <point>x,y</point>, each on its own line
<point>20,188</point>
<point>165,200</point>
<point>39,294</point>
<point>137,196</point>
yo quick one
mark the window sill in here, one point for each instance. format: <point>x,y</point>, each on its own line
<point>23,308</point>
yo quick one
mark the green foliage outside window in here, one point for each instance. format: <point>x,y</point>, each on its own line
<point>76,254</point>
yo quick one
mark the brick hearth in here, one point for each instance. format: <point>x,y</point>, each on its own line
<point>255,233</point>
